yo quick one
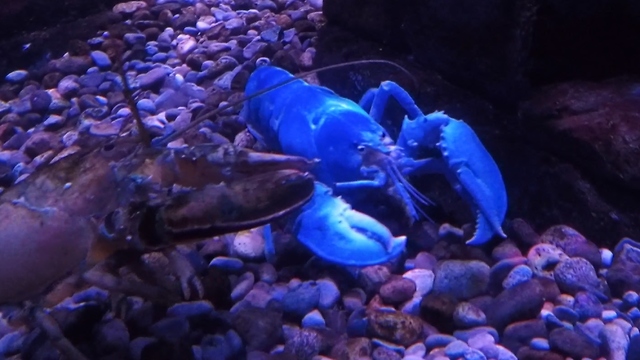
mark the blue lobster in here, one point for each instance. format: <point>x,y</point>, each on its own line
<point>355,152</point>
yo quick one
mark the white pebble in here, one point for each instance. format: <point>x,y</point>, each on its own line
<point>606,256</point>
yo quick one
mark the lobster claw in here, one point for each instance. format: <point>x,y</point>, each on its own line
<point>465,162</point>
<point>335,232</point>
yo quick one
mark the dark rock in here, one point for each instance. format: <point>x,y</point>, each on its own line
<point>633,352</point>
<point>299,301</point>
<point>304,344</point>
<point>41,142</point>
<point>153,79</point>
<point>112,336</point>
<point>572,243</point>
<point>461,279</point>
<point>71,64</point>
<point>521,302</point>
<point>624,274</point>
<point>576,274</point>
<point>40,101</point>
<point>520,333</point>
<point>397,290</point>
<point>171,329</point>
<point>572,344</point>
<point>527,353</point>
<point>397,327</point>
<point>260,329</point>
<point>437,309</point>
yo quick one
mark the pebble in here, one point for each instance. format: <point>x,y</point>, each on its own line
<point>227,263</point>
<point>101,60</point>
<point>463,279</point>
<point>329,294</point>
<point>17,76</point>
<point>313,319</point>
<point>517,275</point>
<point>191,309</point>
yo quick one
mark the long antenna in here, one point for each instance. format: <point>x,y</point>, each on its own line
<point>201,118</point>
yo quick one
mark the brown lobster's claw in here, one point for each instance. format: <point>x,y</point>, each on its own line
<point>224,208</point>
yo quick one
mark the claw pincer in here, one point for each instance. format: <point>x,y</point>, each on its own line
<point>356,152</point>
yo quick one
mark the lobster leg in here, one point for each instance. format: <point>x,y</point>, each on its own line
<point>375,100</point>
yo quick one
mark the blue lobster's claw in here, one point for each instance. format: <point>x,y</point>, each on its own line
<point>338,234</point>
<point>477,178</point>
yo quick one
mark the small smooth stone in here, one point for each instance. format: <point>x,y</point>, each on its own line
<point>607,257</point>
<point>191,309</point>
<point>608,315</point>
<point>417,349</point>
<point>630,298</point>
<point>474,354</point>
<point>634,313</point>
<point>313,319</point>
<point>160,57</point>
<point>466,315</point>
<point>395,348</point>
<point>244,285</point>
<point>438,340</point>
<point>17,76</point>
<point>227,263</point>
<point>517,275</point>
<point>539,344</point>
<point>423,279</point>
<point>329,294</point>
<point>465,335</point>
<point>134,39</point>
<point>616,340</point>
<point>101,60</point>
<point>147,106</point>
<point>456,349</point>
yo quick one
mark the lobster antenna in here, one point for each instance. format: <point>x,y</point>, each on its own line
<point>165,140</point>
<point>145,138</point>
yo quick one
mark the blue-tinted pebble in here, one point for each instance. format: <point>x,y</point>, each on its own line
<point>417,349</point>
<point>73,112</point>
<point>388,345</point>
<point>17,76</point>
<point>20,107</point>
<point>357,323</point>
<point>160,57</point>
<point>134,39</point>
<point>244,285</point>
<point>4,108</point>
<point>207,64</point>
<point>465,335</point>
<point>302,299</point>
<point>93,70</point>
<point>438,340</point>
<point>215,347</point>
<point>11,343</point>
<point>271,34</point>
<point>608,315</point>
<point>474,354</point>
<point>227,263</point>
<point>101,60</point>
<point>54,122</point>
<point>234,340</point>
<point>630,298</point>
<point>606,256</point>
<point>189,30</point>
<point>102,100</point>
<point>587,305</point>
<point>91,294</point>
<point>105,87</point>
<point>313,319</point>
<point>456,349</point>
<point>146,105</point>
<point>329,294</point>
<point>138,344</point>
<point>517,275</point>
<point>191,77</point>
<point>288,35</point>
<point>634,313</point>
<point>191,309</point>
<point>566,314</point>
<point>144,67</point>
<point>591,328</point>
<point>171,329</point>
<point>151,50</point>
<point>539,344</point>
<point>95,42</point>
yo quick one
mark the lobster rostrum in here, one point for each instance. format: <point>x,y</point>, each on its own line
<point>356,152</point>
